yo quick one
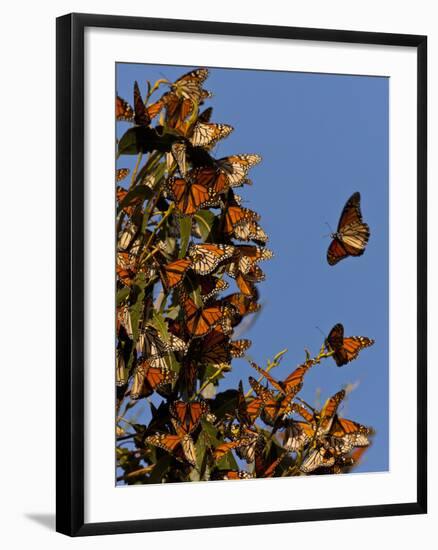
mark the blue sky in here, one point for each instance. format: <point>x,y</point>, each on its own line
<point>322,137</point>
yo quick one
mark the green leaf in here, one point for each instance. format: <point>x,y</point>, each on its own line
<point>137,307</point>
<point>227,462</point>
<point>142,139</point>
<point>140,191</point>
<point>205,220</point>
<point>185,226</point>
<point>224,403</point>
<point>122,294</point>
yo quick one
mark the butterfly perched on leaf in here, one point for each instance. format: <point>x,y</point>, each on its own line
<point>291,385</point>
<point>209,286</point>
<point>245,444</point>
<point>352,233</point>
<point>345,349</point>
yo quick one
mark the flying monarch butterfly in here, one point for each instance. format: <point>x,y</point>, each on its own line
<point>352,233</point>
<point>317,458</point>
<point>188,415</point>
<point>148,378</point>
<point>124,111</point>
<point>345,349</point>
<point>174,443</point>
<point>189,196</point>
<point>206,257</point>
<point>210,286</point>
<point>200,321</point>
<point>122,173</point>
<point>174,272</point>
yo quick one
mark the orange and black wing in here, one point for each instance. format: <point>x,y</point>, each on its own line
<point>124,111</point>
<point>189,197</point>
<point>200,321</point>
<point>174,272</point>
<point>188,415</point>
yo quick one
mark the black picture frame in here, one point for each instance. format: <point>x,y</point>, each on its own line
<point>70,273</point>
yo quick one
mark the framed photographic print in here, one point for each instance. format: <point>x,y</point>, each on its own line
<point>241,274</point>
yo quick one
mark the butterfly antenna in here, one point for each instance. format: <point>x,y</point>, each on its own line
<point>307,404</point>
<point>331,230</point>
<point>320,331</point>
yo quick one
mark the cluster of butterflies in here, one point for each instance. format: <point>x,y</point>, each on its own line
<point>171,342</point>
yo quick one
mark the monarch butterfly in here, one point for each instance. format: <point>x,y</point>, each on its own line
<point>352,233</point>
<point>205,134</point>
<point>292,384</point>
<point>247,411</point>
<point>188,415</point>
<point>346,434</point>
<point>246,282</point>
<point>325,417</point>
<point>241,306</point>
<point>250,231</point>
<point>189,196</point>
<point>124,320</point>
<point>236,167</point>
<point>148,378</point>
<point>209,286</point>
<point>189,85</point>
<point>151,344</point>
<point>216,348</point>
<point>173,273</point>
<point>206,257</point>
<point>270,404</point>
<point>205,116</point>
<point>141,116</point>
<point>121,374</point>
<point>345,349</point>
<point>179,152</point>
<point>246,256</point>
<point>233,216</point>
<point>296,434</point>
<point>122,173</point>
<point>200,321</point>
<point>124,111</point>
<point>174,443</point>
<point>318,457</point>
<point>247,440</point>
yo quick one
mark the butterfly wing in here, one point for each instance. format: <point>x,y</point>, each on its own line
<point>174,272</point>
<point>124,111</point>
<point>207,257</point>
<point>141,117</point>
